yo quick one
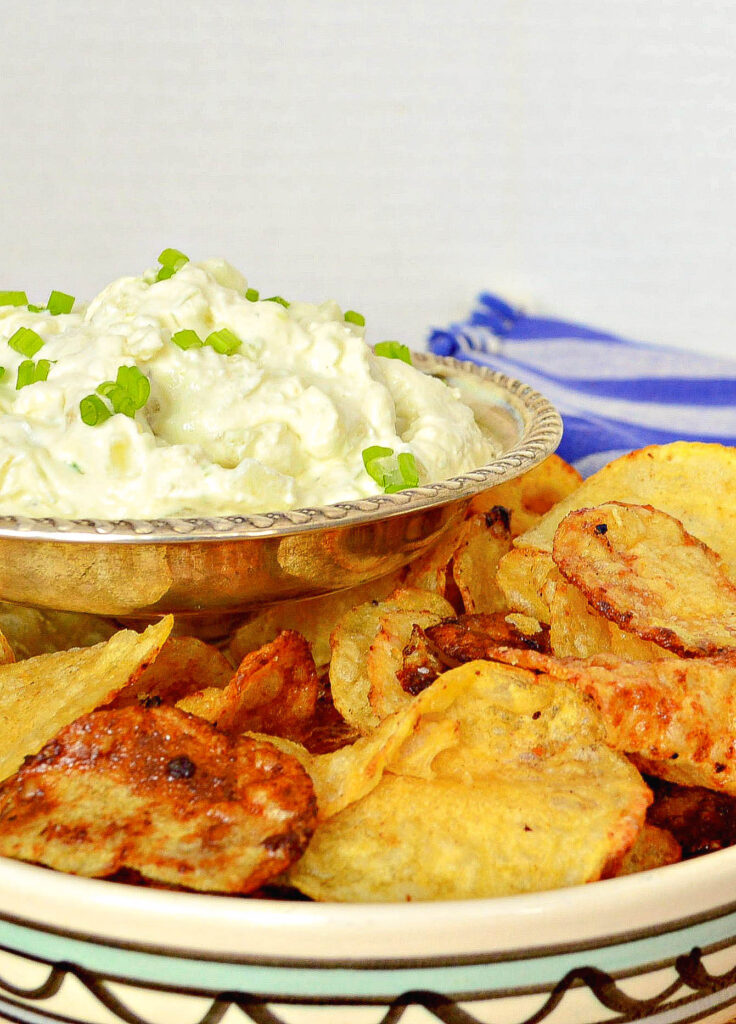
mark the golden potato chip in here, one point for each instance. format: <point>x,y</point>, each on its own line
<point>364,663</point>
<point>400,742</point>
<point>528,497</point>
<point>386,652</point>
<point>432,570</point>
<point>41,695</point>
<point>691,481</point>
<point>524,576</point>
<point>673,717</point>
<point>640,568</point>
<point>183,666</point>
<point>161,793</point>
<point>475,562</point>
<point>314,618</point>
<point>32,631</point>
<point>528,798</point>
<point>654,848</point>
<point>577,631</point>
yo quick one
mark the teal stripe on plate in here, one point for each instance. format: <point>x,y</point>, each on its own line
<point>342,982</point>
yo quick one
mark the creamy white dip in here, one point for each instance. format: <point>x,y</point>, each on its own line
<point>282,423</point>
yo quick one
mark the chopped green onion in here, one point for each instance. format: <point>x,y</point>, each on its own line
<point>371,458</point>
<point>352,317</point>
<point>393,350</point>
<point>60,302</point>
<point>252,295</point>
<point>93,411</point>
<point>129,392</point>
<point>278,298</point>
<point>135,383</point>
<point>30,372</point>
<point>13,299</point>
<point>2,372</point>
<point>392,476</point>
<point>26,341</point>
<point>224,342</point>
<point>171,260</point>
<point>187,339</point>
<point>35,309</point>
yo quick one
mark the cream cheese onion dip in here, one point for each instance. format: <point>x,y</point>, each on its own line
<point>254,406</point>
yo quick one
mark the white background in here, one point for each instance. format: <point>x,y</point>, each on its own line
<point>578,155</point>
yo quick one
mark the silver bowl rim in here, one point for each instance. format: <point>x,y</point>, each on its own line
<point>538,441</point>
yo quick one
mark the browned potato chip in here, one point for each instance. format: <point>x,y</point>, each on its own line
<point>528,497</point>
<point>183,666</point>
<point>642,570</point>
<point>41,695</point>
<point>527,798</point>
<point>433,570</point>
<point>654,848</point>
<point>700,820</point>
<point>673,717</point>
<point>274,691</point>
<point>367,650</point>
<point>314,618</point>
<point>162,793</point>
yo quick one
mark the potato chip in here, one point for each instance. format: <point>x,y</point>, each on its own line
<point>33,631</point>
<point>161,793</point>
<point>364,663</point>
<point>433,570</point>
<point>525,576</point>
<point>528,497</point>
<point>641,569</point>
<point>274,691</point>
<point>654,848</point>
<point>691,481</point>
<point>673,717</point>
<point>528,798</point>
<point>41,695</point>
<point>578,631</point>
<point>183,666</point>
<point>700,820</point>
<point>475,562</point>
<point>314,618</point>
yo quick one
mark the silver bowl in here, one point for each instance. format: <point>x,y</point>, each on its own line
<point>217,567</point>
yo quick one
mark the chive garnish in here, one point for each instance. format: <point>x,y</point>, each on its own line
<point>171,260</point>
<point>393,350</point>
<point>59,302</point>
<point>252,295</point>
<point>392,476</point>
<point>278,298</point>
<point>30,372</point>
<point>352,317</point>
<point>13,299</point>
<point>2,372</point>
<point>35,309</point>
<point>93,410</point>
<point>128,392</point>
<point>224,341</point>
<point>26,341</point>
<point>187,339</point>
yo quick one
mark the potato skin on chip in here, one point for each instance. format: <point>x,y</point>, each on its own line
<point>184,665</point>
<point>42,694</point>
<point>641,569</point>
<point>162,793</point>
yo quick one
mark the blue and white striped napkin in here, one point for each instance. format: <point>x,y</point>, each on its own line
<point>614,395</point>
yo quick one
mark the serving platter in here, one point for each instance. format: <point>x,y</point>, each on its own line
<point>656,947</point>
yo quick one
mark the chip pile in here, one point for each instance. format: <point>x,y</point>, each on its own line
<point>545,698</point>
